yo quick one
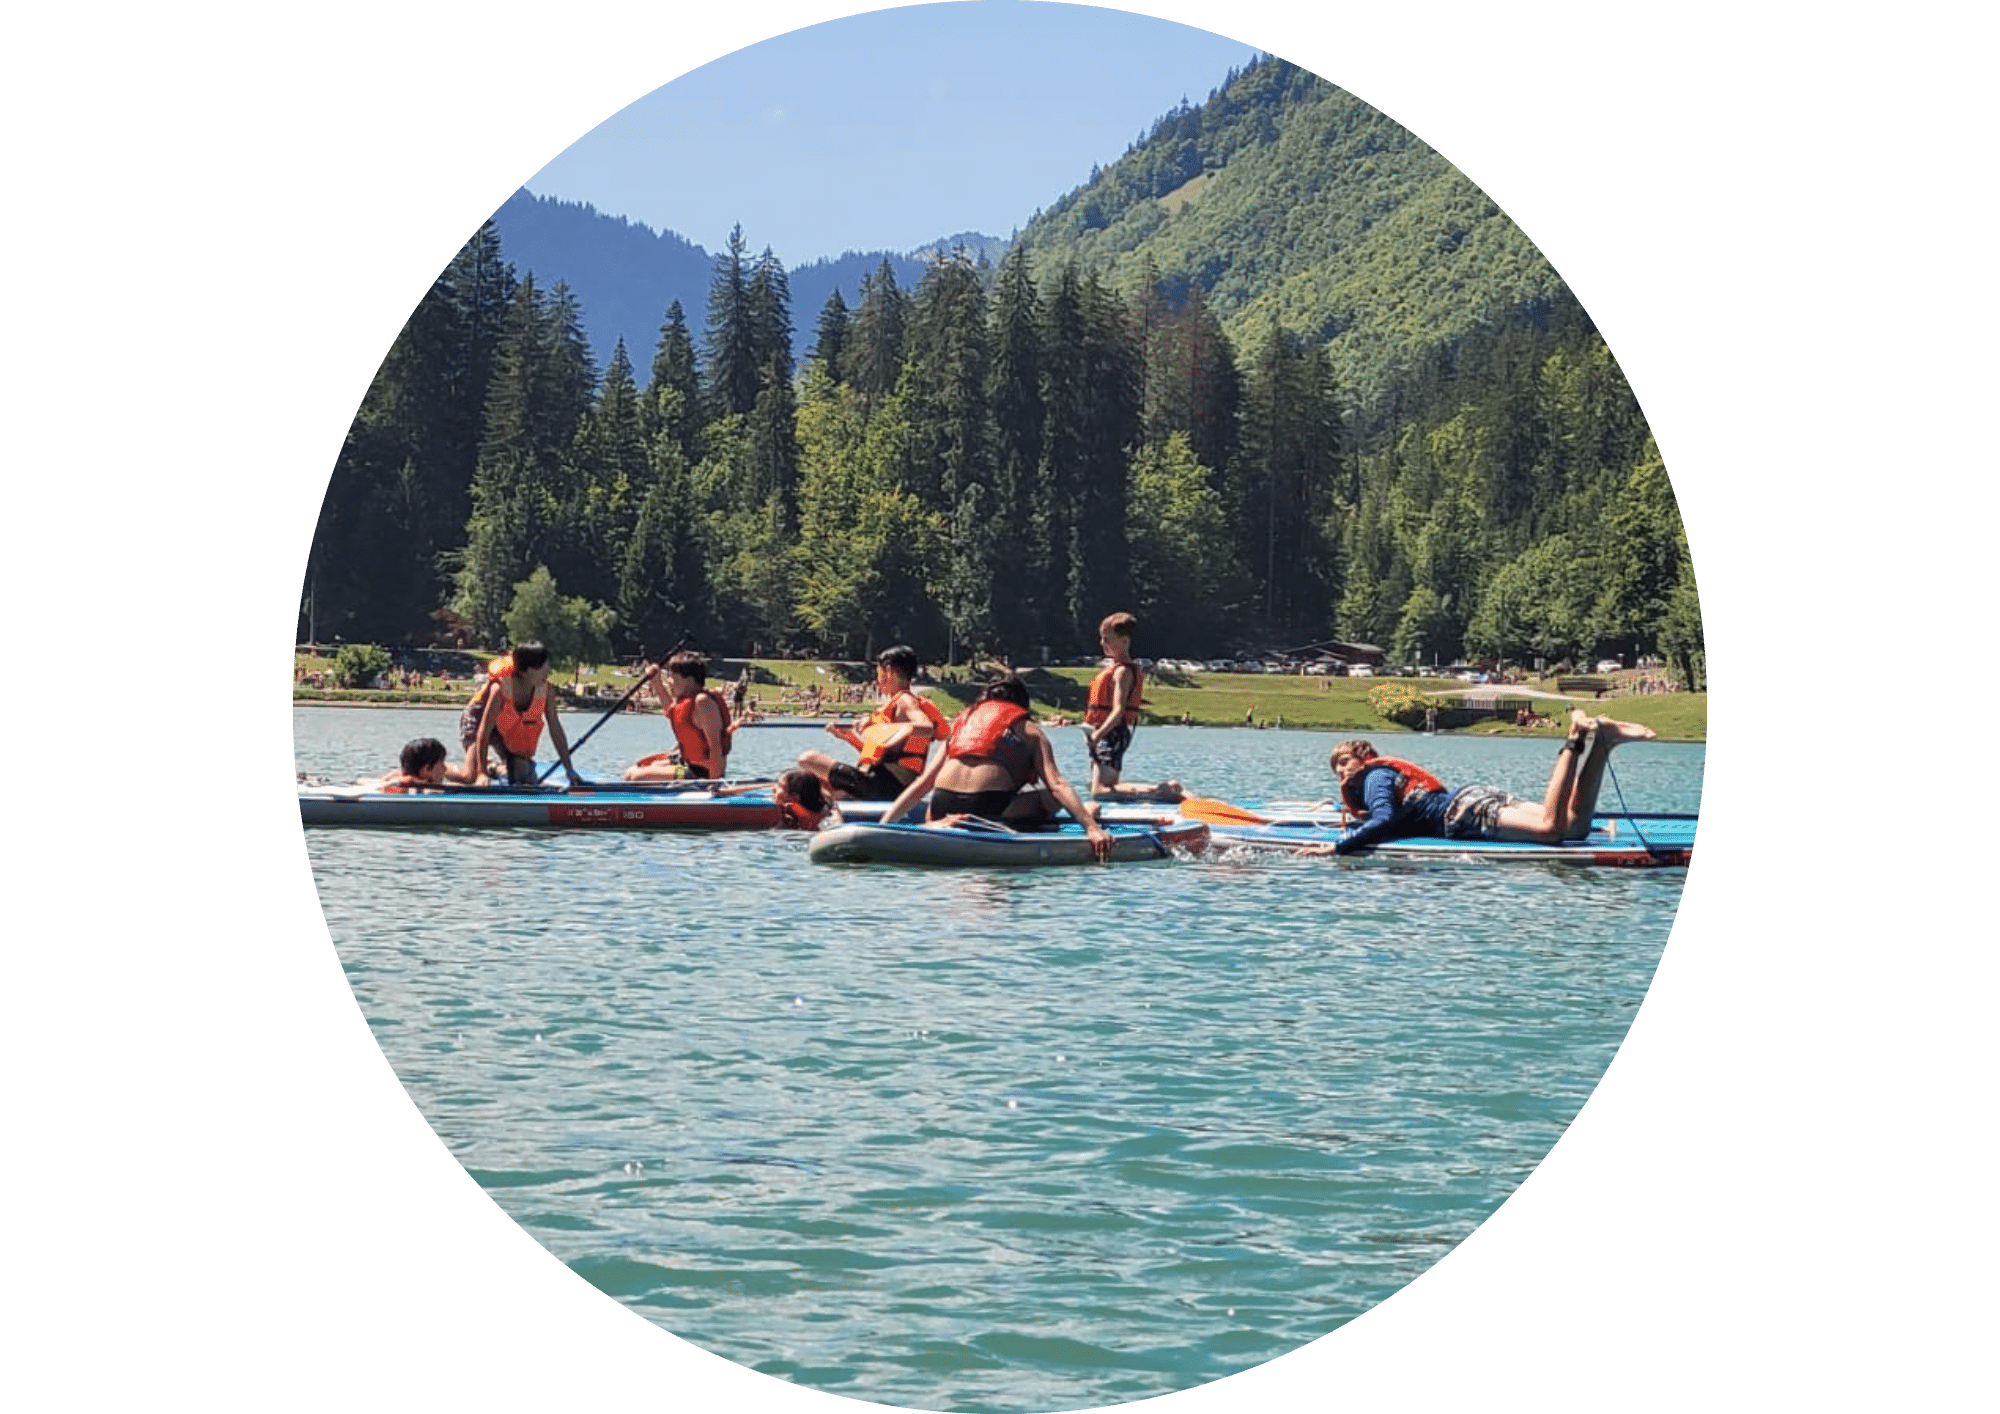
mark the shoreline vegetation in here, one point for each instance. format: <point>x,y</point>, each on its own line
<point>786,689</point>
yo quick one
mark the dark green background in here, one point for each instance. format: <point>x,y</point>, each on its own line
<point>219,1191</point>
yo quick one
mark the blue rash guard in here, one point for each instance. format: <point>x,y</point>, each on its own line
<point>1418,813</point>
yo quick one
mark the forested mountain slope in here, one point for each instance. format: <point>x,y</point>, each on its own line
<point>1289,200</point>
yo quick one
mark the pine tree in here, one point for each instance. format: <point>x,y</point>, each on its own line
<point>1287,469</point>
<point>874,351</point>
<point>944,390</point>
<point>672,405</point>
<point>733,370</point>
<point>1014,399</point>
<point>830,337</point>
<point>768,303</point>
<point>1062,465</point>
<point>1099,569</point>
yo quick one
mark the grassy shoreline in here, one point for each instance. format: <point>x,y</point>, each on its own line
<point>1208,699</point>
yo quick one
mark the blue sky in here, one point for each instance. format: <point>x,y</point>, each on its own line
<point>889,129</point>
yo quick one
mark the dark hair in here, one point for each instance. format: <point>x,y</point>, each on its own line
<point>902,658</point>
<point>689,664</point>
<point>529,655</point>
<point>1008,687</point>
<point>421,753</point>
<point>804,788</point>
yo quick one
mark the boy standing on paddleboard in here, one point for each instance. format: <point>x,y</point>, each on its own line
<point>894,741</point>
<point>1113,714</point>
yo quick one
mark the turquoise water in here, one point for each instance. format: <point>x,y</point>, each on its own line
<point>993,1142</point>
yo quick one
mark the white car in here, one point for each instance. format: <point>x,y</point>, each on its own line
<point>1360,670</point>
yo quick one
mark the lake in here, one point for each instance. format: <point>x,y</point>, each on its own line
<point>997,1142</point>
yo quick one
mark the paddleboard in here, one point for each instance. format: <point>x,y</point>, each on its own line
<point>504,807</point>
<point>957,846</point>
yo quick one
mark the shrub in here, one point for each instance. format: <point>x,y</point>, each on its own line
<point>359,664</point>
<point>1400,703</point>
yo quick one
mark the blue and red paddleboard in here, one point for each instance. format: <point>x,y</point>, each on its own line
<point>1631,842</point>
<point>610,807</point>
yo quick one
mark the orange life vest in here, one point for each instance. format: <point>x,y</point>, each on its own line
<point>519,729</point>
<point>911,753</point>
<point>400,784</point>
<point>800,818</point>
<point>1408,778</point>
<point>692,742</point>
<point>1101,689</point>
<point>986,729</point>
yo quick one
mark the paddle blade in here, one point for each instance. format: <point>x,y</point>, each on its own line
<point>1218,812</point>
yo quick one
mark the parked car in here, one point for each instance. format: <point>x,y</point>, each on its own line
<point>1608,665</point>
<point>1360,670</point>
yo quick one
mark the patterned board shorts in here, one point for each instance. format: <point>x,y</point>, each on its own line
<point>1475,813</point>
<point>1109,750</point>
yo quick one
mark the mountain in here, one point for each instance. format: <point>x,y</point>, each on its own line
<point>625,274</point>
<point>1288,200</point>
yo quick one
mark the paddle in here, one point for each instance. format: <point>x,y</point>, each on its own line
<point>616,708</point>
<point>1218,812</point>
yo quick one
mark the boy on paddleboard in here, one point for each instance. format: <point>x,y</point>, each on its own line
<point>699,718</point>
<point>1113,714</point>
<point>894,741</point>
<point>1391,799</point>
<point>424,762</point>
<point>501,727</point>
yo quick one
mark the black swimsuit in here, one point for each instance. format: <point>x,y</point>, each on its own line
<point>986,804</point>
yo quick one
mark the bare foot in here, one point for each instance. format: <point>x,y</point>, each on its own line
<point>1612,732</point>
<point>1580,721</point>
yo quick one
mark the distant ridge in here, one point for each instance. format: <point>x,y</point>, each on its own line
<point>624,274</point>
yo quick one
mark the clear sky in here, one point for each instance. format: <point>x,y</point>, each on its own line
<point>886,130</point>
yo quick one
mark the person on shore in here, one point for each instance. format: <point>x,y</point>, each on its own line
<point>894,741</point>
<point>502,725</point>
<point>699,716</point>
<point>425,763</point>
<point>1112,715</point>
<point>998,765</point>
<point>1391,799</point>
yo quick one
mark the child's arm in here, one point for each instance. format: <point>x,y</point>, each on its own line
<point>1066,796</point>
<point>475,756</point>
<point>561,739</point>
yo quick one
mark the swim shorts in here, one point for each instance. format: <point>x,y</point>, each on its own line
<point>986,804</point>
<point>875,782</point>
<point>1109,750</point>
<point>1474,813</point>
<point>519,770</point>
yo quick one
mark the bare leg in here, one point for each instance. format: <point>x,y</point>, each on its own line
<point>1137,790</point>
<point>1605,734</point>
<point>1548,822</point>
<point>819,763</point>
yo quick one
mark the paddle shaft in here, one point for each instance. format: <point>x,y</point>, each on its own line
<point>616,708</point>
